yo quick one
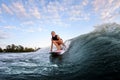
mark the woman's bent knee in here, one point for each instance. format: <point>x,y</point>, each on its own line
<point>54,41</point>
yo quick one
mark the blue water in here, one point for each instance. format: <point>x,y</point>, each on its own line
<point>92,56</point>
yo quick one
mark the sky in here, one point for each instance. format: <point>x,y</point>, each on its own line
<point>30,22</point>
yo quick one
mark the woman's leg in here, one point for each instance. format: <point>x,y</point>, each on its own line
<point>57,45</point>
<point>61,42</point>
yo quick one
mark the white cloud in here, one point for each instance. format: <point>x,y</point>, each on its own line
<point>51,10</point>
<point>110,1</point>
<point>2,45</point>
<point>27,23</point>
<point>29,30</point>
<point>85,2</point>
<point>77,12</point>
<point>107,9</point>
<point>35,12</point>
<point>19,9</point>
<point>6,8</point>
<point>3,35</point>
<point>2,20</point>
<point>42,2</point>
<point>32,29</point>
<point>0,11</point>
<point>55,11</point>
<point>10,27</point>
<point>52,7</point>
<point>40,29</point>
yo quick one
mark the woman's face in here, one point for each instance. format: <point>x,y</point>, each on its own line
<point>53,33</point>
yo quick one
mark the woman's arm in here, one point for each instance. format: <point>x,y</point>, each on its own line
<point>51,45</point>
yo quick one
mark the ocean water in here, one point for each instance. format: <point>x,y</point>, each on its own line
<point>92,56</point>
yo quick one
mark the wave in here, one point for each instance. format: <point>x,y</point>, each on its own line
<point>92,56</point>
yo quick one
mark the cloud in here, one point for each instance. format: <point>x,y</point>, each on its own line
<point>24,11</point>
<point>55,11</point>
<point>27,23</point>
<point>10,27</point>
<point>42,2</point>
<point>2,20</point>
<point>35,12</point>
<point>40,29</point>
<point>107,9</point>
<point>85,2</point>
<point>3,35</point>
<point>77,12</point>
<point>31,29</point>
<point>2,45</point>
<point>73,10</point>
<point>49,10</point>
<point>19,9</point>
<point>52,10</point>
<point>0,11</point>
<point>6,9</point>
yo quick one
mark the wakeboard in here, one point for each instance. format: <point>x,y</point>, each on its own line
<point>57,52</point>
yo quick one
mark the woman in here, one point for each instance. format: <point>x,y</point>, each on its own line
<point>56,40</point>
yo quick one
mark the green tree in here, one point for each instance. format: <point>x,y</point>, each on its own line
<point>19,48</point>
<point>8,48</point>
<point>13,47</point>
<point>29,49</point>
<point>1,49</point>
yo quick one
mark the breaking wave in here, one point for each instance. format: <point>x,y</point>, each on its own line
<point>92,56</point>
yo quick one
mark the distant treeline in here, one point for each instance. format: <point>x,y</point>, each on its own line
<point>17,48</point>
